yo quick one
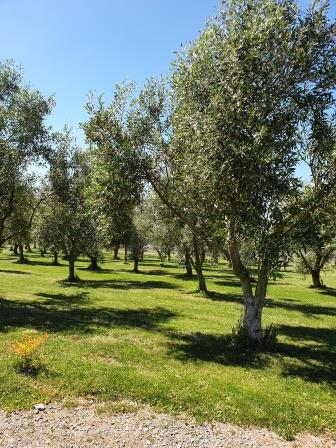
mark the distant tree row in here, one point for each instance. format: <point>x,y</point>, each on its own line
<point>203,163</point>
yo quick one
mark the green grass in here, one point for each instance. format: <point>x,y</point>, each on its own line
<point>151,338</point>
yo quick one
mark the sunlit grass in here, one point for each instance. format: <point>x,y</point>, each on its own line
<point>151,338</point>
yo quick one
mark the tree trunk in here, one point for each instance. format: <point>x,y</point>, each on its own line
<point>29,248</point>
<point>55,262</point>
<point>94,264</point>
<point>187,262</point>
<point>142,256</point>
<point>136,264</point>
<point>253,304</point>
<point>227,256</point>
<point>198,268</point>
<point>72,276</point>
<point>125,254</point>
<point>168,255</point>
<point>316,278</point>
<point>42,253</point>
<point>160,256</point>
<point>115,251</point>
<point>15,250</point>
<point>22,258</point>
<point>202,256</point>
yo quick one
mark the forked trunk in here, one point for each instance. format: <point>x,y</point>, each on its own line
<point>94,263</point>
<point>316,278</point>
<point>253,303</point>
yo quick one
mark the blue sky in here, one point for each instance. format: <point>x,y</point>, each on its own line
<point>69,47</point>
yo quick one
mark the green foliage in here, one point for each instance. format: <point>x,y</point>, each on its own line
<point>24,137</point>
<point>241,341</point>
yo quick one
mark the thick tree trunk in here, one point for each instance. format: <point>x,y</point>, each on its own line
<point>55,254</point>
<point>253,303</point>
<point>198,268</point>
<point>22,258</point>
<point>187,262</point>
<point>136,265</point>
<point>72,276</point>
<point>94,264</point>
<point>125,254</point>
<point>115,251</point>
<point>316,278</point>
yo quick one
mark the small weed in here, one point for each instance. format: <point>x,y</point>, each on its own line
<point>26,351</point>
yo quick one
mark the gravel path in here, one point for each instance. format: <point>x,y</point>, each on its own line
<point>83,427</point>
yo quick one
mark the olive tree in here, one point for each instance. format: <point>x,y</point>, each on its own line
<point>24,138</point>
<point>230,139</point>
<point>68,212</point>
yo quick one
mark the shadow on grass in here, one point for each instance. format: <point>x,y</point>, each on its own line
<point>228,283</point>
<point>294,305</point>
<point>53,318</point>
<point>61,299</point>
<point>47,262</point>
<point>331,292</point>
<point>12,271</point>
<point>314,361</point>
<point>314,348</point>
<point>213,348</point>
<point>119,284</point>
<point>222,297</point>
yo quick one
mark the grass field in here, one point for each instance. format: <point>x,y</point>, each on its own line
<point>151,338</point>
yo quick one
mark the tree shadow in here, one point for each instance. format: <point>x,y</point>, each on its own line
<point>215,348</point>
<point>331,292</point>
<point>295,305</point>
<point>184,276</point>
<point>101,270</point>
<point>156,272</point>
<point>47,262</point>
<point>222,297</point>
<point>119,284</point>
<point>12,271</point>
<point>232,283</point>
<point>54,318</point>
<point>314,349</point>
<point>61,299</point>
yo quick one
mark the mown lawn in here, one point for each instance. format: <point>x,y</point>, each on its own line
<point>150,337</point>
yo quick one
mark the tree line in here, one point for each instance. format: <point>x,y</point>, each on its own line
<point>203,161</point>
